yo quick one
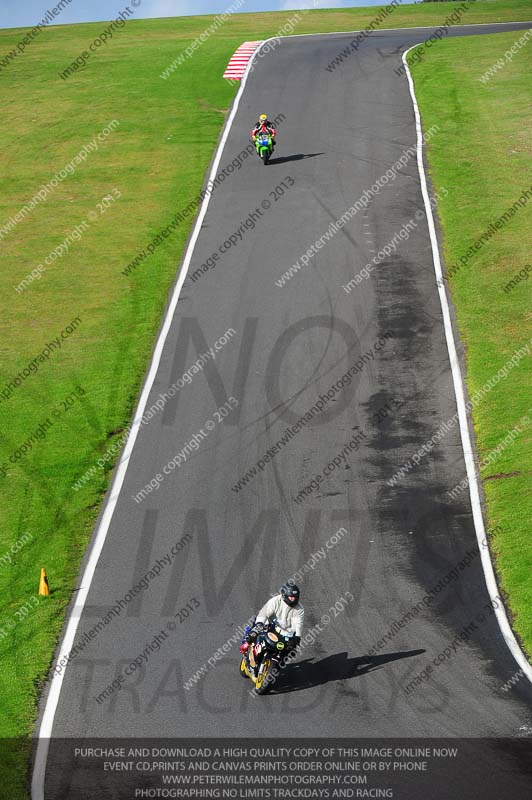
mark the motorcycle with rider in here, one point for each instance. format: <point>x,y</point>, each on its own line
<point>274,635</point>
<point>263,137</point>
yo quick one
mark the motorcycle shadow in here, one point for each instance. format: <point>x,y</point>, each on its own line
<point>298,157</point>
<point>339,667</point>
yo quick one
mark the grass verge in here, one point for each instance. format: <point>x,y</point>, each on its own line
<point>483,156</point>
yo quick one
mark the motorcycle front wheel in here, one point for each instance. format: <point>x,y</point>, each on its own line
<point>261,684</point>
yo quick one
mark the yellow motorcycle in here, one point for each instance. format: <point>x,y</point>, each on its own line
<point>262,660</point>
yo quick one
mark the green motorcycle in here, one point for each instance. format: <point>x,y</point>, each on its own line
<point>264,146</point>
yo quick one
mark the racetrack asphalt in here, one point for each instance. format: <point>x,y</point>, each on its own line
<point>342,131</point>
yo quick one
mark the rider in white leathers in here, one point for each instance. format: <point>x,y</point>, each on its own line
<point>286,609</point>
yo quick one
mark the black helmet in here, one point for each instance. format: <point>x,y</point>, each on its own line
<point>290,594</point>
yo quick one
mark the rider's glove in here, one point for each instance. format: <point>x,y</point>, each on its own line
<point>254,632</point>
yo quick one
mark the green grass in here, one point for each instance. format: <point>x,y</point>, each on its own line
<point>156,158</point>
<point>483,156</point>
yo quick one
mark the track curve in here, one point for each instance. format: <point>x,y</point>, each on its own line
<point>342,131</point>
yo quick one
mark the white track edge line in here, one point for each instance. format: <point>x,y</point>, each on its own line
<point>413,28</point>
<point>474,491</point>
<point>46,727</point>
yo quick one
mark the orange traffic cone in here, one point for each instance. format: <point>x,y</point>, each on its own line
<point>43,583</point>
